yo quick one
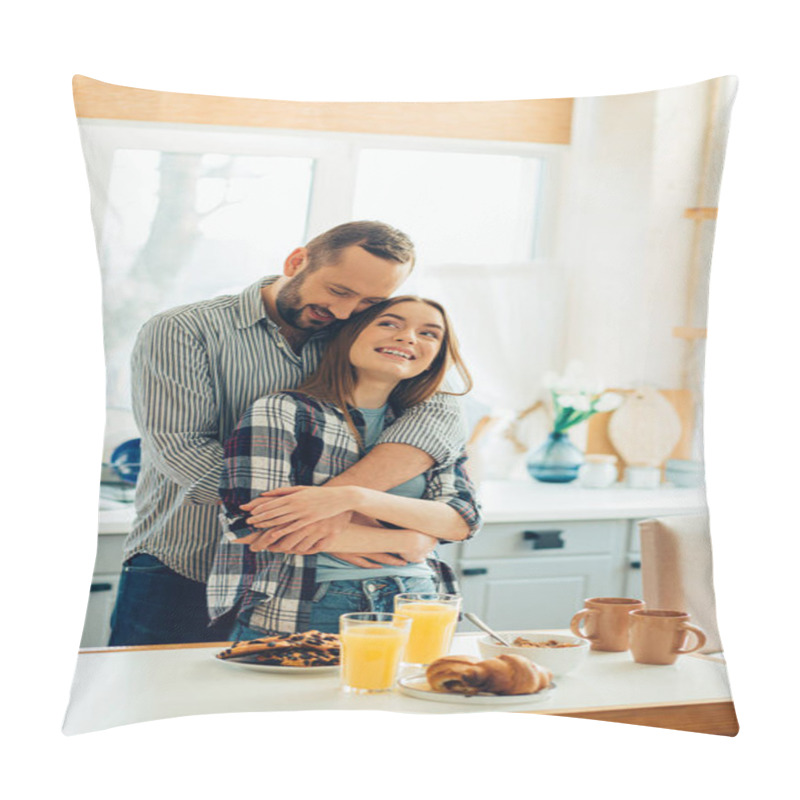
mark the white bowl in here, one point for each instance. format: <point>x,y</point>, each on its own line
<point>559,660</point>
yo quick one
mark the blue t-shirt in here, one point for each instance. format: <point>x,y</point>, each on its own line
<point>330,568</point>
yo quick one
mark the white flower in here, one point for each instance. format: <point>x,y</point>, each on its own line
<point>608,402</point>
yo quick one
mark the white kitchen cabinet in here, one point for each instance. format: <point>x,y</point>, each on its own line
<point>545,548</point>
<point>633,577</point>
<point>537,575</point>
<point>103,590</point>
<point>97,624</point>
<point>511,594</point>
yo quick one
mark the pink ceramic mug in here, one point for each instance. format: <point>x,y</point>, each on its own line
<point>605,622</point>
<point>659,637</point>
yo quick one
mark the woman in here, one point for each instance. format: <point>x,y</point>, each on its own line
<point>390,357</point>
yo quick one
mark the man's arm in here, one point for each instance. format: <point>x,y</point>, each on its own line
<point>448,510</point>
<point>436,427</point>
<point>429,433</point>
<point>175,408</point>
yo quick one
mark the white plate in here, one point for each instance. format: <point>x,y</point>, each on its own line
<point>279,669</point>
<point>417,686</point>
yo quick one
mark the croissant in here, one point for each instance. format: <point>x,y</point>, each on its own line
<point>506,675</point>
<point>448,674</point>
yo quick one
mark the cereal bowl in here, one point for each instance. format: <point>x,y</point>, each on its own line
<point>560,653</point>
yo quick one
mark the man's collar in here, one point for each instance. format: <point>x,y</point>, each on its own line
<point>251,305</point>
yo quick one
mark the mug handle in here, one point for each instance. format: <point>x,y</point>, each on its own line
<point>575,623</point>
<point>701,639</point>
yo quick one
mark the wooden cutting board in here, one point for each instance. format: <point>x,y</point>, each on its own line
<point>680,399</point>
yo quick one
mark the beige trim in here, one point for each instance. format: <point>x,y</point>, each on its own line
<point>688,332</point>
<point>541,121</point>
<point>717,718</point>
<point>128,648</point>
<point>701,213</point>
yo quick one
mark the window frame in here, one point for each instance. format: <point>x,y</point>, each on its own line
<point>335,162</point>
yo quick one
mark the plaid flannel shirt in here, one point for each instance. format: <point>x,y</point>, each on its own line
<point>291,439</point>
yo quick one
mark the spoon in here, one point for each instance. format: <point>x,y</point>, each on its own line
<point>484,627</point>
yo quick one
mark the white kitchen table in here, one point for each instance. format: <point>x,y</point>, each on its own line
<point>119,686</point>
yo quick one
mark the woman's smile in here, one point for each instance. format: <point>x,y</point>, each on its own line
<point>396,352</point>
<point>401,343</point>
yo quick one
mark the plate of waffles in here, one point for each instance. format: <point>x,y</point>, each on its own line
<point>306,652</point>
<point>283,670</point>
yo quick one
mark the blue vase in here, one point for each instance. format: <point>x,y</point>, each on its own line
<point>556,461</point>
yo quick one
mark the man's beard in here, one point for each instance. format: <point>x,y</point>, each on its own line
<point>288,302</point>
<point>290,306</point>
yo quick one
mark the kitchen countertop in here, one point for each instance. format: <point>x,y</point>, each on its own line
<point>530,501</point>
<point>119,686</point>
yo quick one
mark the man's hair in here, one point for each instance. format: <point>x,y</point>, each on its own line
<point>377,238</point>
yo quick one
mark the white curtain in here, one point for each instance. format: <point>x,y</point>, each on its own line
<point>509,319</point>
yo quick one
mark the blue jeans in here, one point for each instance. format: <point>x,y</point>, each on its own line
<point>334,598</point>
<point>156,605</point>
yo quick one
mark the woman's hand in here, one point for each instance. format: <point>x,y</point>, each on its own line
<point>291,508</point>
<point>308,540</point>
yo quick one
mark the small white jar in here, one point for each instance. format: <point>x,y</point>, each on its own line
<point>598,471</point>
<point>638,477</point>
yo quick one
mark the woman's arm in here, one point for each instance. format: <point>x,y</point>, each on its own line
<point>409,545</point>
<point>293,507</point>
<point>449,509</point>
<point>426,436</point>
<point>257,457</point>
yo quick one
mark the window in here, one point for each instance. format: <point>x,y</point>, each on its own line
<point>180,227</point>
<point>192,211</point>
<point>467,208</point>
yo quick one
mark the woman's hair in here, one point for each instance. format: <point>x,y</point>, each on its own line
<point>334,380</point>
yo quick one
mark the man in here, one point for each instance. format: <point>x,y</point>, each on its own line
<point>197,368</point>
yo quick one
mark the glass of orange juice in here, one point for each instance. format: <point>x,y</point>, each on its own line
<point>433,622</point>
<point>372,647</point>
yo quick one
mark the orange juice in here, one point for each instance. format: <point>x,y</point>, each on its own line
<point>432,628</point>
<point>371,655</point>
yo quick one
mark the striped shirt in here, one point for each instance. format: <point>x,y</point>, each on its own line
<point>195,370</point>
<point>290,439</point>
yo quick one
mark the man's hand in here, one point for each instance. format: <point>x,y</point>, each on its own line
<point>306,541</point>
<point>295,507</point>
<point>422,545</point>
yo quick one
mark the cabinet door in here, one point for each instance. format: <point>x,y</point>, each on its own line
<point>510,594</point>
<point>97,625</point>
<point>103,593</point>
<point>544,540</point>
<point>633,577</point>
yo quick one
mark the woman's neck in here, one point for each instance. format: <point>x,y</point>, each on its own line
<point>372,393</point>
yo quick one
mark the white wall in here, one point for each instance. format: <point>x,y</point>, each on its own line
<point>633,169</point>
